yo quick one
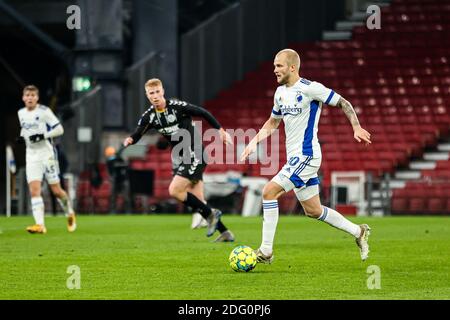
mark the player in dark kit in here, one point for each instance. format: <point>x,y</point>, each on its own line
<point>173,119</point>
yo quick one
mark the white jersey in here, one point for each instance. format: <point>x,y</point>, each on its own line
<point>299,106</point>
<point>37,121</point>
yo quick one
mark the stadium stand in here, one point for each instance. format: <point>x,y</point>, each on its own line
<point>397,78</point>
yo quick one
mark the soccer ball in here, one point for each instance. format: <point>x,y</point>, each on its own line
<point>242,258</point>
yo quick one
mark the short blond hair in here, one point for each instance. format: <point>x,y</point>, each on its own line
<point>31,87</point>
<point>154,82</point>
<point>292,57</point>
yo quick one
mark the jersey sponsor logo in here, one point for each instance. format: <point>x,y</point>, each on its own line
<point>169,130</point>
<point>288,110</point>
<point>30,125</point>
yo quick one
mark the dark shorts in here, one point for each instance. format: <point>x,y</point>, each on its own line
<point>192,171</point>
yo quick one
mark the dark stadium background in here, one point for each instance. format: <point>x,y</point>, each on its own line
<point>219,54</point>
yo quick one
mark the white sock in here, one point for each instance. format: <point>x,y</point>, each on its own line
<point>37,207</point>
<point>66,204</point>
<point>270,209</point>
<point>337,220</point>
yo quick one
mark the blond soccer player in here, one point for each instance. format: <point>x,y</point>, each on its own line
<point>298,102</point>
<point>171,117</point>
<point>39,126</point>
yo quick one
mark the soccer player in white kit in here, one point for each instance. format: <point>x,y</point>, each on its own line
<point>298,102</point>
<point>38,126</point>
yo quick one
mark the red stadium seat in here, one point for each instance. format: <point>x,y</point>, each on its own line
<point>416,206</point>
<point>397,78</point>
<point>436,205</point>
<point>399,205</point>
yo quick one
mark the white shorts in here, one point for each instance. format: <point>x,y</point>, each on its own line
<point>36,170</point>
<point>300,175</point>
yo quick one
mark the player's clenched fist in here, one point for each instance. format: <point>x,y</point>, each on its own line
<point>128,141</point>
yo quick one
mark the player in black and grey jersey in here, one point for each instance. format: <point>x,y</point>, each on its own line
<point>173,119</point>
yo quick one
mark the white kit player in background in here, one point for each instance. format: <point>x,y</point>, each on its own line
<point>298,102</point>
<point>38,126</point>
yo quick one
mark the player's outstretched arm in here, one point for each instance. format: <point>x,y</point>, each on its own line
<point>267,129</point>
<point>358,132</point>
<point>135,136</point>
<point>142,127</point>
<point>197,111</point>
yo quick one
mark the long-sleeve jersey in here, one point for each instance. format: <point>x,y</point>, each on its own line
<point>40,120</point>
<point>176,116</point>
<point>299,106</point>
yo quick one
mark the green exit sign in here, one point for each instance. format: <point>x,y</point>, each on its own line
<point>80,84</point>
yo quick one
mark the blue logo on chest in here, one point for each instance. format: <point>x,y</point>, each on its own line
<point>30,125</point>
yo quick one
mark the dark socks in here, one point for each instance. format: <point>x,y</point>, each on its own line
<point>221,227</point>
<point>198,205</point>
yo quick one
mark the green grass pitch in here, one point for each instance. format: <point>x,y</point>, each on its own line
<point>160,257</point>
